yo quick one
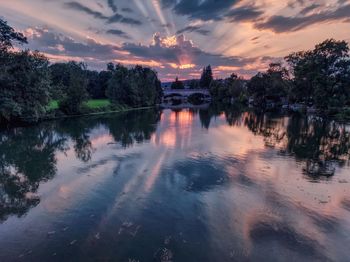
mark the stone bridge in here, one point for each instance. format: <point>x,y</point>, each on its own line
<point>184,94</point>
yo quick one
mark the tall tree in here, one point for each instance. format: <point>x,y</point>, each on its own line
<point>75,89</point>
<point>206,78</point>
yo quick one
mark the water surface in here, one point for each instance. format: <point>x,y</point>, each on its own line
<point>186,185</point>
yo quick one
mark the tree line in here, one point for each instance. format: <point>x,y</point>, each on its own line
<point>319,78</point>
<point>28,83</point>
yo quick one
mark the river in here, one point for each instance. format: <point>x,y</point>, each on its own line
<point>185,185</point>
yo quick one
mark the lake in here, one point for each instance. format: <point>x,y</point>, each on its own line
<point>186,185</point>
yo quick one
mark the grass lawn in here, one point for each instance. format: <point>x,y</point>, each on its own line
<point>98,103</point>
<point>52,105</point>
<point>92,104</point>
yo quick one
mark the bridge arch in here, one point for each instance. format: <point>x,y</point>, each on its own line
<point>170,95</point>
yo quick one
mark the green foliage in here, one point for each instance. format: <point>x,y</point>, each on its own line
<point>24,80</point>
<point>24,85</point>
<point>321,75</point>
<point>230,89</point>
<point>98,103</point>
<point>206,78</point>
<point>8,35</point>
<point>134,87</point>
<point>74,88</point>
<point>272,85</point>
<point>177,84</point>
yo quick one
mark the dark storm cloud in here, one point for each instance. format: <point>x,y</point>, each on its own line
<point>196,29</point>
<point>280,24</point>
<point>119,33</point>
<point>116,18</point>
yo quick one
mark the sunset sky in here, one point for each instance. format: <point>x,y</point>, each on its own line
<point>177,37</point>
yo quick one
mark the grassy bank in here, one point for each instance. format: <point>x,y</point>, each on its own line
<point>90,108</point>
<point>90,104</point>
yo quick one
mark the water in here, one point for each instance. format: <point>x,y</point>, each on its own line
<point>176,186</point>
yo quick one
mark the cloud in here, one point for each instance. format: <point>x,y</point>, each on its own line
<point>178,50</point>
<point>79,7</point>
<point>119,33</point>
<point>116,18</point>
<point>58,44</point>
<point>190,29</point>
<point>167,55</point>
<point>244,13</point>
<point>306,10</point>
<point>112,5</point>
<point>200,9</point>
<point>127,10</point>
<point>281,24</point>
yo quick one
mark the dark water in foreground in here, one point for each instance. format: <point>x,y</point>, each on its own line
<point>176,186</point>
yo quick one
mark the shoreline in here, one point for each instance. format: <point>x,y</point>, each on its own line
<point>62,117</point>
<point>95,113</point>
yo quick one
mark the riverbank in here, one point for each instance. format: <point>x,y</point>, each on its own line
<point>91,108</point>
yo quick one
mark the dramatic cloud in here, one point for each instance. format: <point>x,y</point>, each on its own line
<point>216,10</point>
<point>79,7</point>
<point>281,24</point>
<point>240,36</point>
<point>118,33</point>
<point>112,5</point>
<point>127,10</point>
<point>58,44</point>
<point>116,18</point>
<point>201,9</point>
<point>180,51</point>
<point>196,29</point>
<point>242,14</point>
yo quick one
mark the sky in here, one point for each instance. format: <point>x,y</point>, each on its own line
<point>177,37</point>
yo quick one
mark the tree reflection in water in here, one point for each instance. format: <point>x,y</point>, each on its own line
<point>320,144</point>
<point>28,155</point>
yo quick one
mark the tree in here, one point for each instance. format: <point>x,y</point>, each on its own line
<point>75,89</point>
<point>177,84</point>
<point>24,86</point>
<point>118,85</point>
<point>8,35</point>
<point>273,85</point>
<point>321,75</point>
<point>94,88</point>
<point>136,87</point>
<point>206,78</point>
<point>236,88</point>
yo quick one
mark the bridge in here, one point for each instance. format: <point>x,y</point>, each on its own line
<point>184,94</point>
